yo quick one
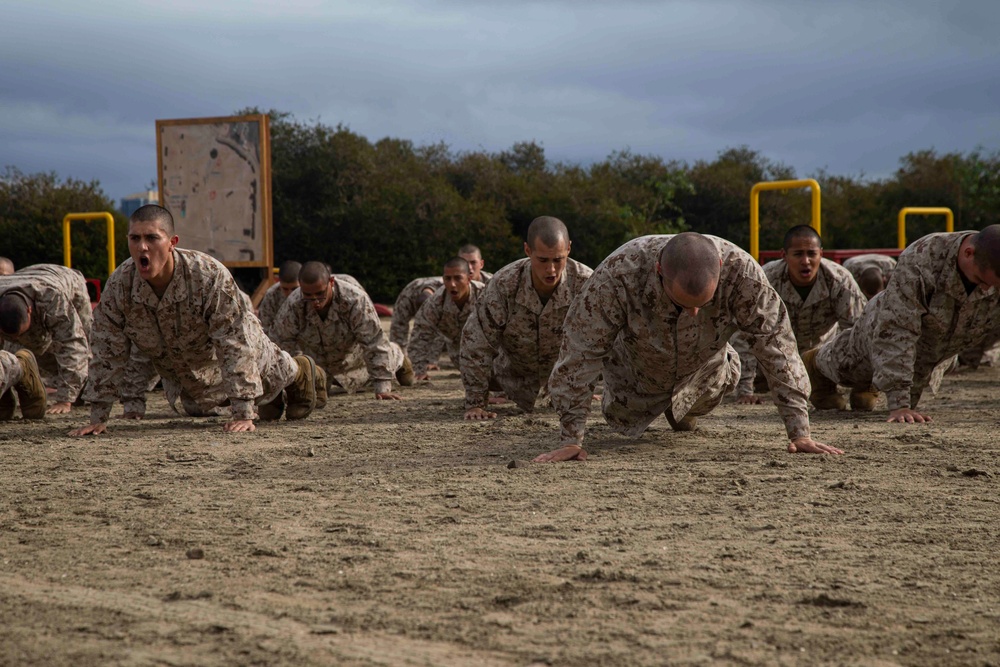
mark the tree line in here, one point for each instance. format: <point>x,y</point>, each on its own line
<point>387,211</point>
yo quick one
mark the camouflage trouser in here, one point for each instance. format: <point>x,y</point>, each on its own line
<point>10,371</point>
<point>846,359</point>
<point>274,378</point>
<point>351,370</point>
<point>521,389</point>
<point>630,413</point>
<point>985,354</point>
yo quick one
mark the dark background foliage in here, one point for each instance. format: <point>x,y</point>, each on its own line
<point>388,211</point>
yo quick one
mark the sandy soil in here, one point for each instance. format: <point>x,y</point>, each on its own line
<point>392,533</point>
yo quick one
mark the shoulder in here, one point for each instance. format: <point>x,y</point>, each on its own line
<point>837,272</point>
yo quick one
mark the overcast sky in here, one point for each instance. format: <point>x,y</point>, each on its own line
<point>842,85</point>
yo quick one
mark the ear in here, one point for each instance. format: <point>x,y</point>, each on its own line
<point>173,240</point>
<point>659,270</point>
<point>527,249</point>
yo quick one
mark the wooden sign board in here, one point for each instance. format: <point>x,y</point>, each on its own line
<point>215,179</point>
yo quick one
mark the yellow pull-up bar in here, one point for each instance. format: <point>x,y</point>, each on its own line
<point>922,210</point>
<point>778,185</point>
<point>103,215</point>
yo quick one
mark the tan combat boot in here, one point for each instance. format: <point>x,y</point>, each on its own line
<point>321,396</point>
<point>30,390</point>
<point>863,401</point>
<point>405,375</point>
<point>689,423</point>
<point>824,390</point>
<point>302,391</point>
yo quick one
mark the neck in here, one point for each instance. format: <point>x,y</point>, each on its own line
<point>542,288</point>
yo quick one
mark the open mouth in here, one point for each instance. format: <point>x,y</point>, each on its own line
<point>144,262</point>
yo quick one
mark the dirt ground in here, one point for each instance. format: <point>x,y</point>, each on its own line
<point>392,533</point>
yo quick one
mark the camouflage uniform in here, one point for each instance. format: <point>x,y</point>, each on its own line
<point>513,336</point>
<point>10,371</point>
<point>201,337</point>
<point>348,344</point>
<point>923,318</point>
<point>859,263</point>
<point>440,320</point>
<point>270,305</point>
<point>406,307</point>
<point>835,300</point>
<point>656,357</point>
<point>61,320</point>
<point>485,277</point>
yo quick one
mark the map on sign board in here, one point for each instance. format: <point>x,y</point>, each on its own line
<point>214,176</point>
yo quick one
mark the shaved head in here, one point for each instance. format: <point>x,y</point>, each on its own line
<point>548,230</point>
<point>469,249</point>
<point>289,272</point>
<point>458,263</point>
<point>690,262</point>
<point>154,213</point>
<point>801,232</point>
<point>314,272</point>
<point>987,249</point>
<point>871,281</point>
<point>6,266</point>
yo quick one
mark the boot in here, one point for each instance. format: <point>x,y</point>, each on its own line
<point>271,412</point>
<point>824,390</point>
<point>30,390</point>
<point>320,388</point>
<point>863,401</point>
<point>302,391</point>
<point>7,405</point>
<point>405,375</point>
<point>689,423</point>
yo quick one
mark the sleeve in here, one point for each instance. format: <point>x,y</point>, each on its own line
<point>111,349</point>
<point>139,374</point>
<point>70,347</point>
<point>402,313</point>
<point>424,347</point>
<point>231,332</point>
<point>850,302</point>
<point>763,319</point>
<point>286,325</point>
<point>589,331</point>
<point>268,309</point>
<point>748,365</point>
<point>481,343</point>
<point>897,328</point>
<point>368,332</point>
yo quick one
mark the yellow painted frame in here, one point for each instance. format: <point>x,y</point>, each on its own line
<point>922,210</point>
<point>779,185</point>
<point>103,215</point>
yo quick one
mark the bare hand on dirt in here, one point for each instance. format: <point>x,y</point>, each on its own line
<point>423,377</point>
<point>388,397</point>
<point>749,399</point>
<point>131,415</point>
<point>433,367</point>
<point>89,429</point>
<point>239,426</point>
<point>475,414</point>
<point>907,416</point>
<point>564,453</point>
<point>497,400</point>
<point>810,446</point>
<point>59,408</point>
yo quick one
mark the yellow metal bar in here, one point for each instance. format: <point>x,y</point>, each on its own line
<point>779,185</point>
<point>921,210</point>
<point>102,215</point>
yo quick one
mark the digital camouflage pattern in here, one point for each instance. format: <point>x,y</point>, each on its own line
<point>201,337</point>
<point>406,307</point>
<point>61,322</point>
<point>10,371</point>
<point>834,303</point>
<point>513,336</point>
<point>923,318</point>
<point>860,263</point>
<point>270,305</point>
<point>656,357</point>
<point>349,344</point>
<point>440,320</point>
